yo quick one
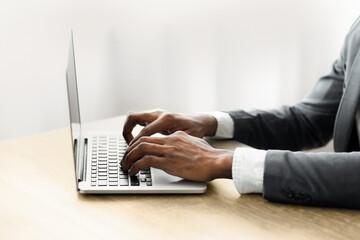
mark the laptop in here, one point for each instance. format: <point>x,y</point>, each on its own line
<point>97,156</point>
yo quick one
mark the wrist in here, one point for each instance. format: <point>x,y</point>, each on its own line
<point>209,123</point>
<point>222,165</point>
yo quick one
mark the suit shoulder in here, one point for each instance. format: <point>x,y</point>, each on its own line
<point>352,42</point>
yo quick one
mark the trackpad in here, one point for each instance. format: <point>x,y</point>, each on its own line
<point>162,179</point>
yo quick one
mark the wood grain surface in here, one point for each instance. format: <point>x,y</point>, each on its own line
<point>39,201</point>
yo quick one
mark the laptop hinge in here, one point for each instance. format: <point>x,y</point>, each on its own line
<point>83,160</point>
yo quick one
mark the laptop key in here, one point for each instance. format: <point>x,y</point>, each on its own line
<point>102,183</point>
<point>134,181</point>
<point>148,183</point>
<point>124,182</point>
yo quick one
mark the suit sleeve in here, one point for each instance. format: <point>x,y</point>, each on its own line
<point>318,179</point>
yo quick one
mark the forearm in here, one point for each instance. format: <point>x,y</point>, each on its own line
<point>289,128</point>
<point>317,179</point>
<point>320,179</point>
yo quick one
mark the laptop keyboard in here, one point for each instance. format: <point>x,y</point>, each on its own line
<point>106,154</point>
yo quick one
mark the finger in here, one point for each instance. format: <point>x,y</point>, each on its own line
<point>146,162</point>
<point>156,126</point>
<point>156,140</point>
<point>141,150</point>
<point>136,118</point>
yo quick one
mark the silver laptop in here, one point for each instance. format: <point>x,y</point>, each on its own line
<point>97,156</point>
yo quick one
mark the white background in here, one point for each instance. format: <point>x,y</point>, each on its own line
<point>186,56</point>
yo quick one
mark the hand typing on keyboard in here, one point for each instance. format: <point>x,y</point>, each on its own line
<point>198,125</point>
<point>105,171</point>
<point>178,154</point>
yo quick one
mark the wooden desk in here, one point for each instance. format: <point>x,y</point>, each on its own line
<point>39,201</point>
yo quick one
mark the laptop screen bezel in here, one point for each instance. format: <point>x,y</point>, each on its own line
<point>74,109</point>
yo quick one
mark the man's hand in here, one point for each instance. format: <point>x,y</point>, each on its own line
<point>181,155</point>
<point>167,123</point>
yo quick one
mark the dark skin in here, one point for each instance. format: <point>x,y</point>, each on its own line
<point>181,152</point>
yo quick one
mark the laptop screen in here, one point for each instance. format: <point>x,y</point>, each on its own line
<point>74,108</point>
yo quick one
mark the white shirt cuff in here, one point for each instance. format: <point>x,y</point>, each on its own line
<point>248,170</point>
<point>225,125</point>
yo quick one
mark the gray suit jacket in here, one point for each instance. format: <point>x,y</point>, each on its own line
<point>322,179</point>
